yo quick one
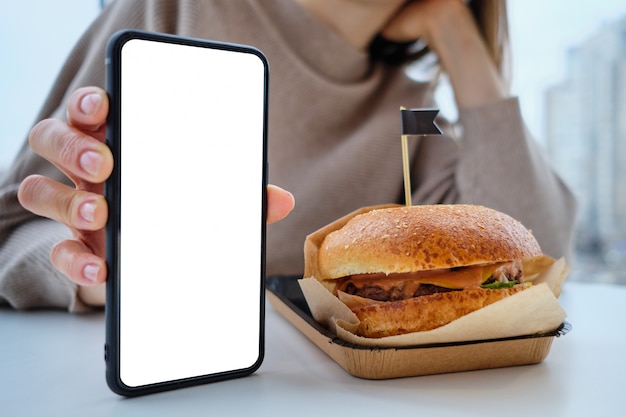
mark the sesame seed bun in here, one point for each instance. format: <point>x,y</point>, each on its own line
<point>420,238</point>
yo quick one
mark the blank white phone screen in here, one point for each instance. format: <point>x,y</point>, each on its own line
<point>192,131</point>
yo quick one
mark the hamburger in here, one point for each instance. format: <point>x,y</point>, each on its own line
<point>410,269</point>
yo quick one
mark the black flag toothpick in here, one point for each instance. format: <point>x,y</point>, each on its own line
<point>414,122</point>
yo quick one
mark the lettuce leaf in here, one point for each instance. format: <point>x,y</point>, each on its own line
<point>499,285</point>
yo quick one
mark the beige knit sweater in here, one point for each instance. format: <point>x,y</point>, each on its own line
<point>333,140</point>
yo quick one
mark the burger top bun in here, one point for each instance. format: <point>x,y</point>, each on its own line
<point>418,238</point>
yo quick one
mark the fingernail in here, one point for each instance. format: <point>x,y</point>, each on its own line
<point>88,211</point>
<point>90,272</point>
<point>90,103</point>
<point>91,162</point>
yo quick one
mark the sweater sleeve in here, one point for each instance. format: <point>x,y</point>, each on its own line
<point>27,279</point>
<point>497,163</point>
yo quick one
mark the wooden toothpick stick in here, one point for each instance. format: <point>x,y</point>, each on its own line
<point>414,122</point>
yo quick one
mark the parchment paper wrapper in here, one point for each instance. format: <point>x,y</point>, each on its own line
<point>532,311</point>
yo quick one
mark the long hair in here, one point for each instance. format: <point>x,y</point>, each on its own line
<point>491,18</point>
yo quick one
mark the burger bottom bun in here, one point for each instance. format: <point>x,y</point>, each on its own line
<point>532,311</point>
<point>421,313</point>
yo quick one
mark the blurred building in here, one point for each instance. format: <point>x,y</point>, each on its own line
<point>586,139</point>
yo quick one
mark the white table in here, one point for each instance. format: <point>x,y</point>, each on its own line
<point>52,365</point>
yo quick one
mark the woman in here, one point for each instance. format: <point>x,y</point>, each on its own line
<point>337,81</point>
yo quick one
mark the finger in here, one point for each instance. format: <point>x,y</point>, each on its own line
<point>87,110</point>
<point>75,208</point>
<point>80,156</point>
<point>93,295</point>
<point>279,203</point>
<point>407,25</point>
<point>76,261</point>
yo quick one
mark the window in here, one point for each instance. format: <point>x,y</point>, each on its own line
<point>569,70</point>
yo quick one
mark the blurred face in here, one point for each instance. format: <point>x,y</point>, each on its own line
<point>358,21</point>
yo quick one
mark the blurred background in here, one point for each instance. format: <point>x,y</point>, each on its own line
<point>569,71</point>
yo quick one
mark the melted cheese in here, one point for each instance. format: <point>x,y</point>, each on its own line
<point>468,277</point>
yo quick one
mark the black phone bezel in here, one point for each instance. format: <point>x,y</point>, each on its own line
<point>113,197</point>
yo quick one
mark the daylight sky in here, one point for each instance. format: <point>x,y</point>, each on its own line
<point>37,35</point>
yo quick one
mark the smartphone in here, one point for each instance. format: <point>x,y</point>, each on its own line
<point>186,231</point>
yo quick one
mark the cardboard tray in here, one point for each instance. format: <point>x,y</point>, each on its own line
<point>383,363</point>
